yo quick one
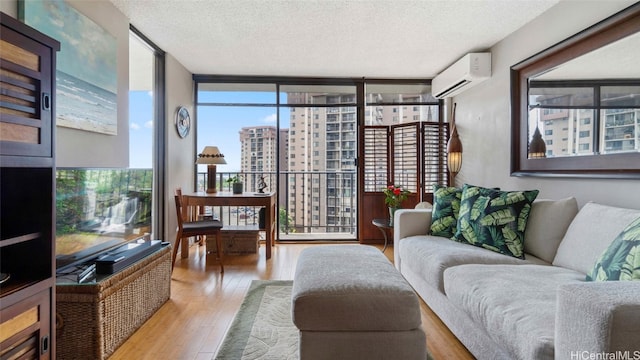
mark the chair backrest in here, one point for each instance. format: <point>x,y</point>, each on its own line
<point>179,211</point>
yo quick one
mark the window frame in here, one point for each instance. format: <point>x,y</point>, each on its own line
<point>616,166</point>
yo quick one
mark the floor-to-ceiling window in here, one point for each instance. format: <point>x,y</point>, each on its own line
<point>146,120</point>
<point>303,136</point>
<point>320,181</point>
<point>299,137</point>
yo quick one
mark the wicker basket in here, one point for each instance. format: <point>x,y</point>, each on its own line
<point>93,320</point>
<point>236,240</point>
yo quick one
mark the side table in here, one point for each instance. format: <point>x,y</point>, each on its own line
<point>383,225</point>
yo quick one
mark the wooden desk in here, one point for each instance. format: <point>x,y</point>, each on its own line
<point>267,200</point>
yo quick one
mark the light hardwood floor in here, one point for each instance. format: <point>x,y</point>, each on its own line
<point>192,324</point>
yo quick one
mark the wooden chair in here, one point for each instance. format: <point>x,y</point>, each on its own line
<point>199,213</point>
<point>188,229</point>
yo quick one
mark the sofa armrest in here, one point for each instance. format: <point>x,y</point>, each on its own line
<point>409,222</point>
<point>597,317</point>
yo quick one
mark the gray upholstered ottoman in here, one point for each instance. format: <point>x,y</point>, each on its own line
<point>349,302</point>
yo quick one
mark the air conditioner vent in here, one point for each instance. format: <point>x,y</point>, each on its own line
<point>465,73</point>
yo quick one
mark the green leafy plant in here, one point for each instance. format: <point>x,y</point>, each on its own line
<point>395,195</point>
<point>234,179</point>
<point>286,222</point>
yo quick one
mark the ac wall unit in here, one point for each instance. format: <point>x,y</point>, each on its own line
<point>465,73</point>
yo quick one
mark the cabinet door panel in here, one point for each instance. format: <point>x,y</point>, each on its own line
<point>25,326</point>
<point>25,96</point>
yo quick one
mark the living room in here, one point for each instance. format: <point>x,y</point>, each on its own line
<point>483,118</point>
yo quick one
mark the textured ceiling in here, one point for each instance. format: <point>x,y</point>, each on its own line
<point>333,38</point>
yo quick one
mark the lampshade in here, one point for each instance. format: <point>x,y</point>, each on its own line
<point>454,152</point>
<point>537,146</point>
<point>211,155</point>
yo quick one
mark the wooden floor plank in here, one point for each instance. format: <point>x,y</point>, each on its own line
<point>192,324</point>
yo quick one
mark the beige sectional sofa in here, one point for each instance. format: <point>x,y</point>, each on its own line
<point>539,307</point>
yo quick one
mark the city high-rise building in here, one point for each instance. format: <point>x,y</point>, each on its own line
<point>571,131</point>
<point>322,153</point>
<point>258,154</point>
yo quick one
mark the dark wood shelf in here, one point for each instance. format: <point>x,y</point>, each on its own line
<point>19,239</point>
<point>15,284</point>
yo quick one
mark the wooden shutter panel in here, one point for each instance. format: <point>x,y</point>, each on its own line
<point>376,161</point>
<point>434,154</point>
<point>406,152</point>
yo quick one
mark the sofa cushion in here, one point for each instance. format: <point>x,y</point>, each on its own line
<point>590,233</point>
<point>548,222</point>
<point>621,260</point>
<point>430,256</point>
<point>515,304</point>
<point>493,219</point>
<point>446,206</point>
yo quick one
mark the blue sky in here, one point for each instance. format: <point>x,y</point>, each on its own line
<point>220,125</point>
<point>140,129</point>
<point>217,125</point>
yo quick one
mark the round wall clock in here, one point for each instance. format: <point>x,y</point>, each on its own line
<point>183,121</point>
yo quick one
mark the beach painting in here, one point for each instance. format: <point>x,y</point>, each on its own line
<point>86,75</point>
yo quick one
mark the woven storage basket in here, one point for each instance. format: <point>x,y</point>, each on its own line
<point>93,320</point>
<point>235,241</point>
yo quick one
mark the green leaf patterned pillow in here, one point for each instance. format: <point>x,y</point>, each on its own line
<point>494,219</point>
<point>621,260</point>
<point>446,206</point>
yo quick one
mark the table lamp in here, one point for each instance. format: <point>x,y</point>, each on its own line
<point>212,157</point>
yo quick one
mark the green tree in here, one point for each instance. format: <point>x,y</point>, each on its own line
<point>286,222</point>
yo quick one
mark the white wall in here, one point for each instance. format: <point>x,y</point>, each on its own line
<point>181,155</point>
<point>483,113</point>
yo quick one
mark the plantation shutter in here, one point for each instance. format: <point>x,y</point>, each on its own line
<point>434,154</point>
<point>412,164</point>
<point>376,160</point>
<point>406,156</point>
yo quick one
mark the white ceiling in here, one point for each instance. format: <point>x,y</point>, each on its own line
<point>326,38</point>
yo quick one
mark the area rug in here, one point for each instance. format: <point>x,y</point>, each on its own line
<point>262,328</point>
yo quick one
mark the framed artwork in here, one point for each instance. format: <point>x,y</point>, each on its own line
<point>86,76</point>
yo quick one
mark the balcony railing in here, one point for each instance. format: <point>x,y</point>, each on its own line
<point>311,205</point>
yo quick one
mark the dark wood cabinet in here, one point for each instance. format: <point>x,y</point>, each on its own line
<point>27,191</point>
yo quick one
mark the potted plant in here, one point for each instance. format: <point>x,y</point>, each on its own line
<point>393,197</point>
<point>236,183</point>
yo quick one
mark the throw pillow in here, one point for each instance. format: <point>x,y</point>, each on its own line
<point>621,260</point>
<point>493,219</point>
<point>446,206</point>
<point>548,222</point>
<point>590,233</point>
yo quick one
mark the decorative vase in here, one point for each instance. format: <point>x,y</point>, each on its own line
<point>237,188</point>
<point>392,212</point>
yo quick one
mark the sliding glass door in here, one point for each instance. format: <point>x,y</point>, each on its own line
<point>327,146</point>
<point>299,139</point>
